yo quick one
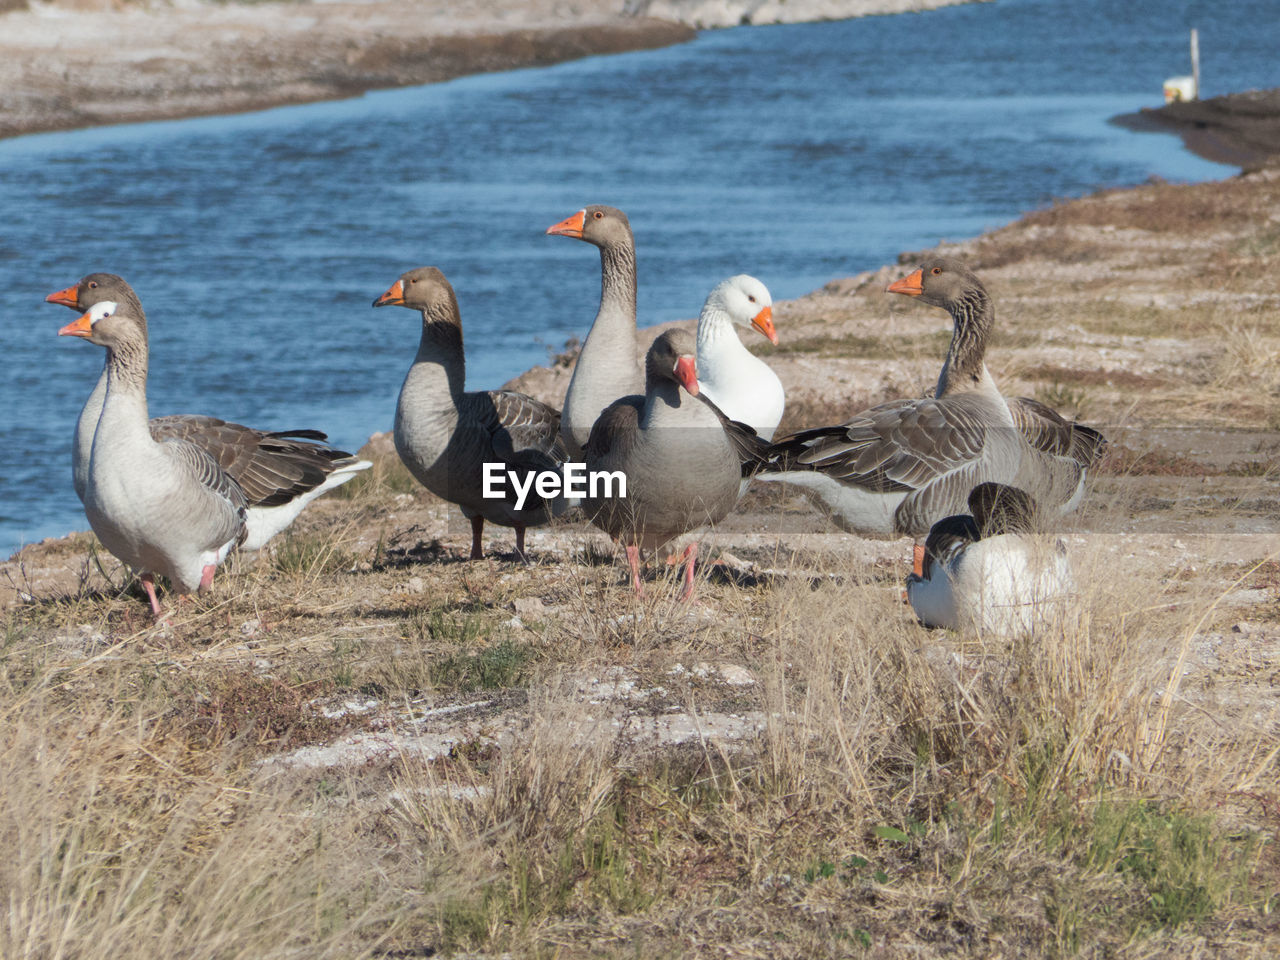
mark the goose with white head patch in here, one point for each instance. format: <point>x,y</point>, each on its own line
<point>162,507</point>
<point>280,471</point>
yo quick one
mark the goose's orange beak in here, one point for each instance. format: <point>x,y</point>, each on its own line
<point>79,327</point>
<point>687,374</point>
<point>393,297</point>
<point>763,321</point>
<point>911,285</point>
<point>66,298</point>
<point>917,559</point>
<point>570,226</point>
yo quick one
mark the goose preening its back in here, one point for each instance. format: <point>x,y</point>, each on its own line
<point>988,570</point>
<point>279,472</point>
<point>445,435</point>
<point>742,385</point>
<point>606,367</point>
<point>681,468</point>
<point>901,466</point>
<point>161,506</point>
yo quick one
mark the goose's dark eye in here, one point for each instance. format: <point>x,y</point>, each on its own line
<point>752,299</point>
<point>93,284</point>
<point>936,270</point>
<point>599,215</point>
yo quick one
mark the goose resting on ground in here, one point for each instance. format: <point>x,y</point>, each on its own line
<point>682,469</point>
<point>446,435</point>
<point>280,472</point>
<point>160,506</point>
<point>987,570</point>
<point>606,369</point>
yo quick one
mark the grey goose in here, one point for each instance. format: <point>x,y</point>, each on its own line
<point>899,467</point>
<point>280,471</point>
<point>606,369</point>
<point>682,467</point>
<point>162,507</point>
<point>446,434</point>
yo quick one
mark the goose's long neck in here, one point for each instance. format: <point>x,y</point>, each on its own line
<point>435,383</point>
<point>719,346</point>
<point>440,349</point>
<point>613,334</point>
<point>965,368</point>
<point>124,405</point>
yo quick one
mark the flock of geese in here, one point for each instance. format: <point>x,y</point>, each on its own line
<point>971,475</point>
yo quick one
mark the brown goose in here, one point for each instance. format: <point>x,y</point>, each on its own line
<point>161,506</point>
<point>606,367</point>
<point>682,470</point>
<point>279,472</point>
<point>445,435</point>
<point>901,466</point>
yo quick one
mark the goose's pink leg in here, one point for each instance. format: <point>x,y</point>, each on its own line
<point>633,558</point>
<point>690,558</point>
<point>149,584</point>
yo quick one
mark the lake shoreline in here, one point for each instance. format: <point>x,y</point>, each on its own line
<point>67,69</point>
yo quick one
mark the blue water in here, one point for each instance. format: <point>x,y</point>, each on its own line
<point>796,153</point>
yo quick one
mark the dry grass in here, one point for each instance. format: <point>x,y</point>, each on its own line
<point>909,791</point>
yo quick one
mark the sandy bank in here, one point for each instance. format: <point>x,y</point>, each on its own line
<point>65,68</point>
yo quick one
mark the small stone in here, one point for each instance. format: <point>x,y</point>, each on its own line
<point>526,607</point>
<point>416,585</point>
<point>736,675</point>
<point>251,628</point>
<point>1244,629</point>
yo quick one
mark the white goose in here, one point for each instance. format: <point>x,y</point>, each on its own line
<point>446,435</point>
<point>742,385</point>
<point>988,571</point>
<point>280,472</point>
<point>162,507</point>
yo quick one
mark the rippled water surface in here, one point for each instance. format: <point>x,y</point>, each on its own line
<point>796,153</point>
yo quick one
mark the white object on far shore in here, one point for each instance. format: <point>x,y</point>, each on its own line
<point>1185,89</point>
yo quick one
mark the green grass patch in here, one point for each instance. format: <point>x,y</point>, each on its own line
<point>505,664</point>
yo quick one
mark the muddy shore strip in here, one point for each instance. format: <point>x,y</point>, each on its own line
<point>1242,129</point>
